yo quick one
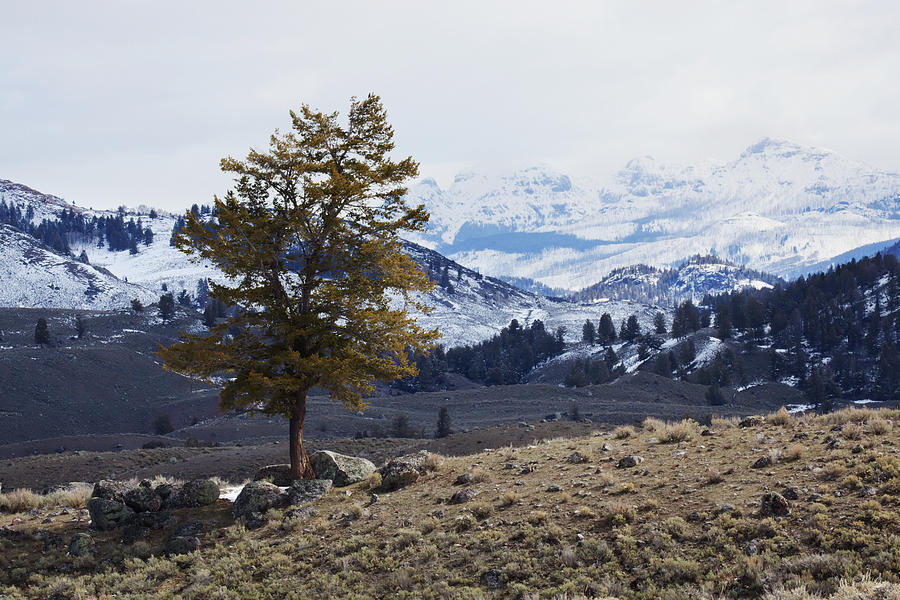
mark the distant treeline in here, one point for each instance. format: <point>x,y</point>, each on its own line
<point>112,232</point>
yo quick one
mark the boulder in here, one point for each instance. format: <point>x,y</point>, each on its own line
<point>109,514</point>
<point>762,462</point>
<point>463,479</point>
<point>402,471</point>
<point>133,533</point>
<point>752,421</point>
<point>182,545</point>
<point>774,505</point>
<point>143,499</point>
<point>493,579</point>
<point>627,462</point>
<point>279,475</point>
<point>167,491</point>
<point>462,496</point>
<point>155,520</point>
<point>258,496</point>
<point>340,469</point>
<point>111,490</point>
<point>82,544</point>
<point>791,493</point>
<point>307,490</point>
<point>195,493</point>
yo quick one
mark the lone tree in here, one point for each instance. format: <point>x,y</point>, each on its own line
<point>321,289</point>
<point>443,423</point>
<point>41,332</point>
<point>166,306</point>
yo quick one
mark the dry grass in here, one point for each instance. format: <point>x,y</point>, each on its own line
<point>794,452</point>
<point>674,433</point>
<point>653,425</point>
<point>433,461</point>
<point>880,426</point>
<point>22,500</point>
<point>623,432</point>
<point>509,498</point>
<point>781,418</point>
<point>479,475</point>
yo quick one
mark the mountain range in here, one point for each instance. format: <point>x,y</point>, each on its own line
<point>779,207</point>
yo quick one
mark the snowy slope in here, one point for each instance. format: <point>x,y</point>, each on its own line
<point>31,276</point>
<point>471,308</point>
<point>779,207</point>
<point>690,280</point>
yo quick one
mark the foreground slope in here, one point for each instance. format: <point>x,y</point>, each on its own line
<point>693,519</point>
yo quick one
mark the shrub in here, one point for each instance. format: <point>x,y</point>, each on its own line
<point>619,513</point>
<point>481,510</point>
<point>625,431</point>
<point>676,432</point>
<point>653,425</point>
<point>793,453</point>
<point>509,497</point>
<point>880,426</point>
<point>781,418</point>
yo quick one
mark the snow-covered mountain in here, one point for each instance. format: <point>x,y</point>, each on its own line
<point>468,306</point>
<point>779,207</point>
<point>32,276</point>
<point>690,280</point>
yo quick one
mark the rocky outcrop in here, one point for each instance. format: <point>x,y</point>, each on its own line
<point>404,470</point>
<point>111,490</point>
<point>340,469</point>
<point>196,493</point>
<point>307,490</point>
<point>774,505</point>
<point>143,498</point>
<point>82,544</point>
<point>279,475</point>
<point>258,497</point>
<point>109,514</point>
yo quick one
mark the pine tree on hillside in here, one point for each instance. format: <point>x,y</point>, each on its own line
<point>443,423</point>
<point>588,333</point>
<point>659,323</point>
<point>308,240</point>
<point>41,332</point>
<point>166,306</point>
<point>606,330</point>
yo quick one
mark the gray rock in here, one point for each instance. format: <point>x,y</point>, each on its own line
<point>553,488</point>
<point>791,493</point>
<point>111,490</point>
<point>307,490</point>
<point>167,492</point>
<point>279,475</point>
<point>143,499</point>
<point>762,462</point>
<point>182,545</point>
<point>305,513</point>
<point>155,520</point>
<point>255,520</point>
<point>189,529</point>
<point>340,469</point>
<point>196,493</point>
<point>627,462</point>
<point>576,458</point>
<point>402,471</point>
<point>258,496</point>
<point>463,479</point>
<point>462,496</point>
<point>82,544</point>
<point>753,421</point>
<point>493,579</point>
<point>774,505</point>
<point>109,514</point>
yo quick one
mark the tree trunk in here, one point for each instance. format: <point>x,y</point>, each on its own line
<point>300,465</point>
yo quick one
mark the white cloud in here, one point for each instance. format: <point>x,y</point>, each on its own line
<point>102,100</point>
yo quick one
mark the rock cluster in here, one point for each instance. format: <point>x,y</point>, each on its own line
<point>404,470</point>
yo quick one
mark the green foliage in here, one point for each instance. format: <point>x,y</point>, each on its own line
<point>166,306</point>
<point>41,332</point>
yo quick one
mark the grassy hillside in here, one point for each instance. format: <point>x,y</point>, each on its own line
<point>555,519</point>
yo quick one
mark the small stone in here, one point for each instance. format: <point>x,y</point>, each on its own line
<point>857,449</point>
<point>791,493</point>
<point>82,544</point>
<point>762,462</point>
<point>182,545</point>
<point>553,488</point>
<point>629,461</point>
<point>527,469</point>
<point>463,495</point>
<point>493,579</point>
<point>707,432</point>
<point>726,508</point>
<point>774,504</point>
<point>576,458</point>
<point>870,491</point>
<point>463,479</point>
<point>437,514</point>
<point>752,547</point>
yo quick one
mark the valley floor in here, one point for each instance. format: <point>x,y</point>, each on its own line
<point>784,508</point>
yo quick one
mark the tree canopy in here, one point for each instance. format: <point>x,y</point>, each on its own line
<point>324,295</point>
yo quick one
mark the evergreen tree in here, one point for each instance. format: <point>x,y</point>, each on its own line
<point>184,299</point>
<point>83,257</point>
<point>308,239</point>
<point>659,322</point>
<point>41,332</point>
<point>714,395</point>
<point>137,305</point>
<point>588,333</point>
<point>443,423</point>
<point>80,326</point>
<point>166,306</point>
<point>606,330</point>
<point>202,293</point>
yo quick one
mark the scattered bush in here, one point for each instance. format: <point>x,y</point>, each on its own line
<point>781,418</point>
<point>677,432</point>
<point>625,431</point>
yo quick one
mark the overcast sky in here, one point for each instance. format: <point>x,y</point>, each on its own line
<point>124,102</point>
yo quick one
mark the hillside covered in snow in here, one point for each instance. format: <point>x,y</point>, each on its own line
<point>779,207</point>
